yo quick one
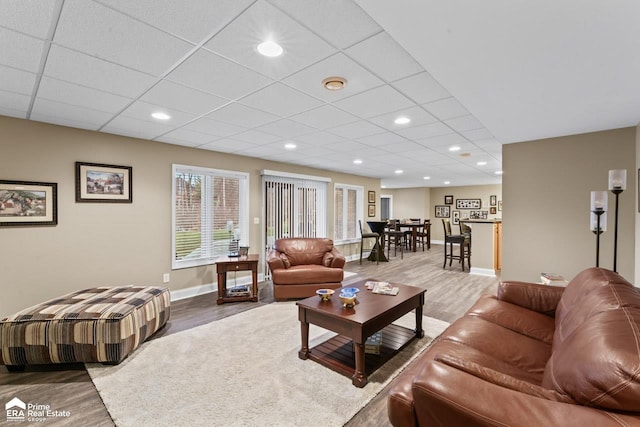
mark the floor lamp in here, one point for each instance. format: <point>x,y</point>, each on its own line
<point>598,218</point>
<point>617,184</point>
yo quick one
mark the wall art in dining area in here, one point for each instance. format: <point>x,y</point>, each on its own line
<point>478,214</point>
<point>443,211</point>
<point>99,183</point>
<point>468,203</point>
<point>456,217</point>
<point>27,203</point>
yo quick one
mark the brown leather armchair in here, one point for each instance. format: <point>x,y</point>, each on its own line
<point>535,355</point>
<point>300,266</point>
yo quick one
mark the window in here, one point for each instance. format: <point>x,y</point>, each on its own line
<point>209,215</point>
<point>348,206</point>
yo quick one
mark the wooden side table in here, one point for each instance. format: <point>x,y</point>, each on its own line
<point>243,263</point>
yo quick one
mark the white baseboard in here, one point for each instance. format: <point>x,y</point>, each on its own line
<point>437,242</point>
<point>490,272</point>
<point>207,288</point>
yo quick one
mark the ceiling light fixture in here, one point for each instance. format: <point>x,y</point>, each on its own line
<point>159,115</point>
<point>427,177</point>
<point>290,146</point>
<point>402,120</point>
<point>399,171</point>
<point>357,161</point>
<point>481,163</point>
<point>454,148</point>
<point>334,83</point>
<point>447,182</point>
<point>498,172</point>
<point>270,49</point>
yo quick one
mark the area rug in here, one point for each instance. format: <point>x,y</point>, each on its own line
<point>242,370</point>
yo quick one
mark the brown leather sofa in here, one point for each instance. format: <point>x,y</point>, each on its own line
<point>300,266</point>
<point>535,355</point>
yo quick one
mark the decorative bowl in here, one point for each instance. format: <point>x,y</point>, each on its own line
<point>348,299</point>
<point>349,290</point>
<point>325,294</point>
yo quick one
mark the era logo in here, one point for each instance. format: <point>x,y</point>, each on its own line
<point>15,410</point>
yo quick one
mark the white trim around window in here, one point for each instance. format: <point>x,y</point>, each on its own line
<point>348,205</point>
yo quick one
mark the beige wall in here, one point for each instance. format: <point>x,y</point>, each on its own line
<point>111,244</point>
<point>409,202</point>
<point>546,190</point>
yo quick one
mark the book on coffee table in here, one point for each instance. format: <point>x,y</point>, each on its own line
<point>384,288</point>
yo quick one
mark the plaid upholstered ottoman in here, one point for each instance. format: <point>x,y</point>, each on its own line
<point>93,325</point>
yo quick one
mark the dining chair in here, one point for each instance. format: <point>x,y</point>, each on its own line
<point>369,235</point>
<point>396,237</point>
<point>425,233</point>
<point>408,234</point>
<point>458,239</point>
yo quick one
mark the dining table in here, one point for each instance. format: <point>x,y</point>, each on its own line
<point>415,226</point>
<point>377,253</point>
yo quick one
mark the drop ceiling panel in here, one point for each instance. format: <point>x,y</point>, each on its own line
<point>448,139</point>
<point>128,126</point>
<point>356,130</point>
<point>214,74</point>
<point>382,54</point>
<point>374,102</point>
<point>32,17</point>
<point>229,146</point>
<point>417,115</point>
<point>241,115</point>
<point>447,108</point>
<point>281,100</point>
<point>319,138</point>
<point>143,110</point>
<point>256,137</point>
<point>309,80</point>
<point>286,128</point>
<point>348,23</point>
<point>324,117</point>
<point>81,96</point>
<point>172,95</point>
<point>68,115</point>
<point>262,21</point>
<point>190,19</point>
<point>464,123</point>
<point>97,30</point>
<point>20,51</point>
<point>185,135</point>
<point>381,139</point>
<point>213,127</point>
<point>425,131</point>
<point>477,134</point>
<point>15,104</point>
<point>421,88</point>
<point>18,81</point>
<point>85,70</point>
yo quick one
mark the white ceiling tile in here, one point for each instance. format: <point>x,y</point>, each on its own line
<point>260,22</point>
<point>80,96</point>
<point>280,99</point>
<point>214,74</point>
<point>241,115</point>
<point>68,115</point>
<point>230,146</point>
<point>425,131</point>
<point>187,137</point>
<point>213,127</point>
<point>374,102</point>
<point>400,146</point>
<point>324,117</point>
<point>193,20</point>
<point>382,54</point>
<point>99,31</point>
<point>12,112</point>
<point>128,126</point>
<point>356,130</point>
<point>32,17</point>
<point>464,123</point>
<point>477,134</point>
<point>75,67</point>
<point>18,81</point>
<point>447,108</point>
<point>142,111</point>
<point>417,115</point>
<point>20,51</point>
<point>349,24</point>
<point>319,138</point>
<point>172,95</point>
<point>381,139</point>
<point>14,101</point>
<point>286,129</point>
<point>256,137</point>
<point>309,80</point>
<point>421,88</point>
<point>442,140</point>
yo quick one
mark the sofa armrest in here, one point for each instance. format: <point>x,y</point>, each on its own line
<point>444,395</point>
<point>274,260</point>
<point>337,260</point>
<point>534,296</point>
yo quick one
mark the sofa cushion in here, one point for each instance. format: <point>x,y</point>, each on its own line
<point>596,345</point>
<point>298,274</point>
<point>301,251</point>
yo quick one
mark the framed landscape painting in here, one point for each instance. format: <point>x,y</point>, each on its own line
<point>99,183</point>
<point>25,203</point>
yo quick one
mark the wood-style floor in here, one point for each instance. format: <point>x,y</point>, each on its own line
<point>68,387</point>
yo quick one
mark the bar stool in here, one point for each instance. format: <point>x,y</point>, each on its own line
<point>370,235</point>
<point>397,237</point>
<point>458,239</point>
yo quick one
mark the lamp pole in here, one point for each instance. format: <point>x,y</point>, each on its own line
<point>617,184</point>
<point>616,191</point>
<point>598,231</point>
<point>598,208</point>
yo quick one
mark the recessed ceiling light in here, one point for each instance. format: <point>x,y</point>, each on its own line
<point>447,182</point>
<point>454,148</point>
<point>427,177</point>
<point>290,146</point>
<point>498,172</point>
<point>357,161</point>
<point>160,115</point>
<point>334,83</point>
<point>402,120</point>
<point>481,163</point>
<point>399,171</point>
<point>270,49</point>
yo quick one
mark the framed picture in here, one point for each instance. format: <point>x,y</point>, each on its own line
<point>464,215</point>
<point>492,210</point>
<point>443,211</point>
<point>478,214</point>
<point>456,217</point>
<point>448,200</point>
<point>372,210</point>
<point>372,197</point>
<point>468,203</point>
<point>500,205</point>
<point>492,200</point>
<point>98,183</point>
<point>25,203</point>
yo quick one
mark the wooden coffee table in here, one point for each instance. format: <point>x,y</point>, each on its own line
<point>345,353</point>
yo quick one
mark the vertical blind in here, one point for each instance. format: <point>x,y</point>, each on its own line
<point>209,214</point>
